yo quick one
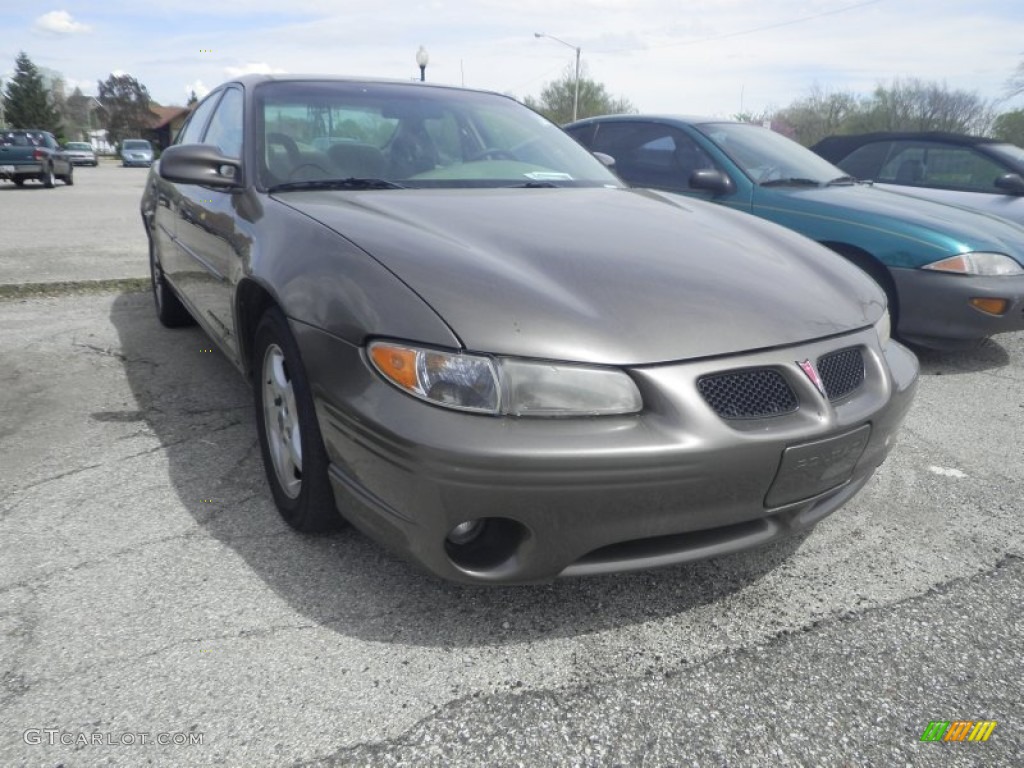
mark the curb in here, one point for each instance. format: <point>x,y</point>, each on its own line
<point>71,288</point>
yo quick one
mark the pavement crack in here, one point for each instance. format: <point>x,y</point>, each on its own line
<point>55,478</point>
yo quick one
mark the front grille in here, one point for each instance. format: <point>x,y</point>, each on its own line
<point>841,372</point>
<point>753,393</point>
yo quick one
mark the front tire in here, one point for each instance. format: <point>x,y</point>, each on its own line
<point>169,309</point>
<point>293,451</point>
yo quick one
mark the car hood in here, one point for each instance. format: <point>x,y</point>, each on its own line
<point>601,275</point>
<point>945,229</point>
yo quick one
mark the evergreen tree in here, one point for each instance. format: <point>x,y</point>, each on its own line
<point>26,100</point>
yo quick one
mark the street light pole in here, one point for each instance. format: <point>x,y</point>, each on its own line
<point>576,95</point>
<point>421,59</point>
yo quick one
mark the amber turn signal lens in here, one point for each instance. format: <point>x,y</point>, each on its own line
<point>991,306</point>
<point>397,363</point>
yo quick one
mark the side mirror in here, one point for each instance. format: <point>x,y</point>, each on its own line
<point>201,164</point>
<point>607,160</point>
<point>1011,183</point>
<point>708,180</point>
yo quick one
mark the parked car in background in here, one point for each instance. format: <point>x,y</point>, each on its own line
<point>81,153</point>
<point>975,172</point>
<point>31,155</point>
<point>471,338</point>
<point>138,152</point>
<point>953,276</point>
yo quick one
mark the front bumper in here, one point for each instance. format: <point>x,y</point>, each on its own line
<point>935,309</point>
<point>584,496</point>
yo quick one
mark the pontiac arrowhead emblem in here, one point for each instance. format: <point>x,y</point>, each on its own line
<point>812,373</point>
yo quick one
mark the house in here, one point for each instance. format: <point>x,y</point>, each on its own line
<point>167,121</point>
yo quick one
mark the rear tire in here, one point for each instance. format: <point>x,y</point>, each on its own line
<point>69,179</point>
<point>294,456</point>
<point>47,177</point>
<point>169,309</point>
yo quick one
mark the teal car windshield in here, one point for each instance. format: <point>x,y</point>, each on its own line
<point>398,135</point>
<point>1011,152</point>
<point>768,157</point>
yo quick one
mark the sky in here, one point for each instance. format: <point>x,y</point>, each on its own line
<point>709,57</point>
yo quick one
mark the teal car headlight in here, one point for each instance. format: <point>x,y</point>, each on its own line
<point>977,263</point>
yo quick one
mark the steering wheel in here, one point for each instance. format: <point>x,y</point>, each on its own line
<point>301,172</point>
<point>290,147</point>
<point>492,153</point>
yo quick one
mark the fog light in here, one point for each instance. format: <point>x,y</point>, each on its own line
<point>991,306</point>
<point>463,533</point>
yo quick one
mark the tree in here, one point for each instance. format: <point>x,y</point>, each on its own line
<point>26,101</point>
<point>1015,85</point>
<point>914,105</point>
<point>556,99</point>
<point>1009,126</point>
<point>127,104</point>
<point>904,105</point>
<point>819,114</point>
<point>192,98</point>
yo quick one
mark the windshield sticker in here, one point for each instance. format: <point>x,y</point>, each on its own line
<point>548,176</point>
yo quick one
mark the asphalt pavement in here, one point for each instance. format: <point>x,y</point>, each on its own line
<point>154,609</point>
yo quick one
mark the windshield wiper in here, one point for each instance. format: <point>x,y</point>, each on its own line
<point>533,185</point>
<point>842,180</point>
<point>790,182</point>
<point>352,182</point>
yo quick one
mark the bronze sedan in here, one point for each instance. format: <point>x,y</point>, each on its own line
<point>465,334</point>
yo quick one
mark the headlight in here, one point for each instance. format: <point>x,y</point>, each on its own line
<point>544,389</point>
<point>503,385</point>
<point>884,329</point>
<point>466,382</point>
<point>977,264</point>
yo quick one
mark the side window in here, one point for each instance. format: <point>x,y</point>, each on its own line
<point>225,129</point>
<point>905,164</point>
<point>945,167</point>
<point>651,154</point>
<point>865,162</point>
<point>193,129</point>
<point>960,168</point>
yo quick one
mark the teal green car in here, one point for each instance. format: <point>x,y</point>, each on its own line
<point>953,276</point>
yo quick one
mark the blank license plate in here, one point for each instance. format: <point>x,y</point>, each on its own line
<point>6,169</point>
<point>815,467</point>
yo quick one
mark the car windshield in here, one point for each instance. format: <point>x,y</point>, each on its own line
<point>1010,152</point>
<point>769,157</point>
<point>408,135</point>
<point>79,145</point>
<point>136,144</point>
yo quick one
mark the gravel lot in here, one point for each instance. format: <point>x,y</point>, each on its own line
<point>149,590</point>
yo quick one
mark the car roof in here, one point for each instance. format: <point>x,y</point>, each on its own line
<point>249,81</point>
<point>667,118</point>
<point>838,147</point>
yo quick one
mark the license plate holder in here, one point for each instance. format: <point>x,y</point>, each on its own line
<point>814,467</point>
